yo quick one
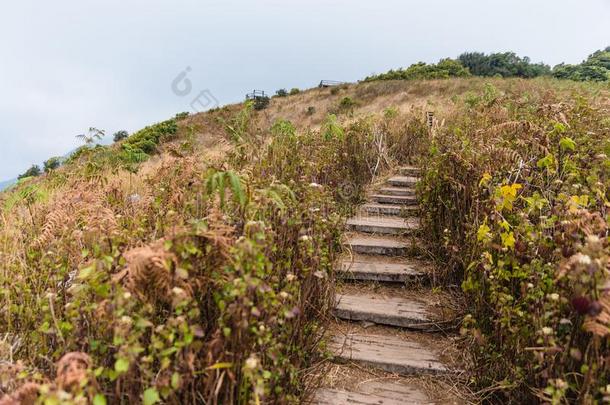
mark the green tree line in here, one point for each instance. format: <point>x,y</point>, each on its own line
<point>503,64</point>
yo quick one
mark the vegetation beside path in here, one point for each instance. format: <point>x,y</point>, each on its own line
<point>194,262</point>
<point>516,198</point>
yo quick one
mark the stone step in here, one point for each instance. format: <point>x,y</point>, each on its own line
<point>389,353</point>
<point>402,181</point>
<point>383,225</point>
<point>373,393</point>
<point>389,209</point>
<point>394,199</point>
<point>377,245</point>
<point>410,171</point>
<point>403,191</point>
<point>381,268</point>
<point>393,311</point>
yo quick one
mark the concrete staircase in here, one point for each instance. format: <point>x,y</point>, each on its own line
<point>382,287</point>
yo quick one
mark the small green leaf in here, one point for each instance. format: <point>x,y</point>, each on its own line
<point>567,144</point>
<point>121,365</point>
<point>151,396</point>
<point>175,381</point>
<point>99,399</point>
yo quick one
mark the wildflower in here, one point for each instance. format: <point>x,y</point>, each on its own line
<point>290,277</point>
<point>284,294</point>
<point>315,185</point>
<point>304,238</point>
<point>554,297</point>
<point>583,259</point>
<point>252,362</point>
<point>547,331</point>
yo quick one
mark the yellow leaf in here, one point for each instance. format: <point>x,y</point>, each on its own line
<point>508,239</point>
<point>485,179</point>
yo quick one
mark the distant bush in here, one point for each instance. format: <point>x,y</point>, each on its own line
<point>334,90</point>
<point>182,115</point>
<point>52,164</point>
<point>294,91</point>
<point>281,93</point>
<point>147,139</point>
<point>595,68</point>
<point>120,135</point>
<point>33,171</point>
<point>347,104</point>
<point>261,102</point>
<point>506,64</point>
<point>444,69</point>
<point>311,110</point>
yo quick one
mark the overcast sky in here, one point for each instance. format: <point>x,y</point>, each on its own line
<point>67,65</point>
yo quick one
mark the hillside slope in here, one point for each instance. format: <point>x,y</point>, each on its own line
<point>194,261</point>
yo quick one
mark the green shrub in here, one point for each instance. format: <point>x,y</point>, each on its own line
<point>147,139</point>
<point>444,69</point>
<point>33,171</point>
<point>182,115</point>
<point>120,135</point>
<point>294,91</point>
<point>311,110</point>
<point>281,93</point>
<point>347,104</point>
<point>51,164</point>
<point>261,102</point>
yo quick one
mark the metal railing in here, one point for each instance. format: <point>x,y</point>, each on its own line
<point>329,83</point>
<point>256,94</point>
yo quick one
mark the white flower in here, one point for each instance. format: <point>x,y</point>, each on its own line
<point>315,185</point>
<point>592,239</point>
<point>304,238</point>
<point>554,296</point>
<point>583,259</point>
<point>252,362</point>
<point>547,331</point>
<point>284,294</point>
<point>290,277</point>
<point>530,285</point>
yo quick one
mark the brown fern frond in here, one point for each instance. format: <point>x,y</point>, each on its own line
<point>513,127</point>
<point>27,394</point>
<point>600,325</point>
<point>150,272</point>
<point>72,370</point>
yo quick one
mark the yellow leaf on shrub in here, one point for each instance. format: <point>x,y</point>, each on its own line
<point>506,196</point>
<point>508,239</point>
<point>576,202</point>
<point>485,179</point>
<point>483,233</point>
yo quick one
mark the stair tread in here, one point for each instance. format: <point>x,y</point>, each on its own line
<point>381,268</point>
<point>403,181</point>
<point>382,224</point>
<point>403,312</point>
<point>399,191</point>
<point>380,241</point>
<point>389,353</point>
<point>373,393</point>
<point>394,199</point>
